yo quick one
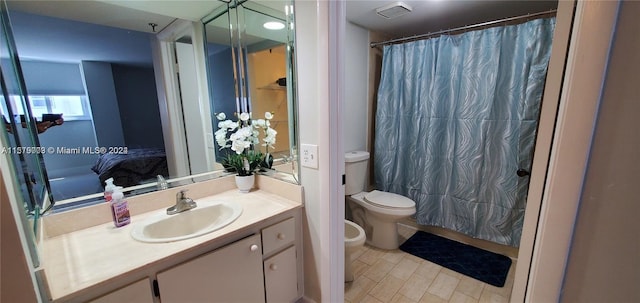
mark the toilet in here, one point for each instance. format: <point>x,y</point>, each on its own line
<point>354,238</point>
<point>377,212</point>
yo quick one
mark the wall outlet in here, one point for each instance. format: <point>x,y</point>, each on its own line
<point>309,155</point>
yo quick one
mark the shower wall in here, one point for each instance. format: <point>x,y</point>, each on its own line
<point>363,65</point>
<point>356,103</point>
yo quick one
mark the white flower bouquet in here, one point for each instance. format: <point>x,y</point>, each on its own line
<point>241,136</point>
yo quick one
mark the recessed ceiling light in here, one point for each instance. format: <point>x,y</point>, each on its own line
<point>273,25</point>
<point>393,10</point>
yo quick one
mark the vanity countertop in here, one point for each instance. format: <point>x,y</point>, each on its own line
<point>97,255</point>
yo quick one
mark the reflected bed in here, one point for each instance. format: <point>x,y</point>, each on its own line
<point>136,167</point>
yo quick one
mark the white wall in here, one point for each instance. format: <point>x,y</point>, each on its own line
<point>355,107</point>
<point>313,99</point>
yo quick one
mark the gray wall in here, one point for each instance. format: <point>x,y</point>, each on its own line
<point>101,90</point>
<point>221,86</point>
<point>52,78</point>
<point>53,39</point>
<point>72,134</point>
<point>138,103</point>
<point>604,262</point>
<point>50,40</point>
<point>124,107</point>
<point>222,82</point>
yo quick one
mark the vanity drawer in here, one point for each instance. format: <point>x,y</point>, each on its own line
<point>278,236</point>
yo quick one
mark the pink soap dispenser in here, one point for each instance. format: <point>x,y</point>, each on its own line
<point>119,208</point>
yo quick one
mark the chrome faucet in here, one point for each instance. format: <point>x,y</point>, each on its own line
<point>182,203</point>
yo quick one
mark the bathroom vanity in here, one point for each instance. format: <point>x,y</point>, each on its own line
<point>256,258</point>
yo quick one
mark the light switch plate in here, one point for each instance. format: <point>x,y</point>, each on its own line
<point>309,155</point>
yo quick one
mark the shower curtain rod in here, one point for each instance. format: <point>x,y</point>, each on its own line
<point>442,32</point>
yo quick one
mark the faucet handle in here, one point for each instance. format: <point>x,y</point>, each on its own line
<point>181,195</point>
<point>162,183</point>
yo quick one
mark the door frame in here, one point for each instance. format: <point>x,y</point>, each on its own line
<point>552,208</point>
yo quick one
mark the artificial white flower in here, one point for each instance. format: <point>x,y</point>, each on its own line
<point>227,125</point>
<point>270,137</point>
<point>239,146</point>
<point>221,138</point>
<point>271,132</point>
<point>246,132</point>
<point>240,136</point>
<point>254,137</point>
<point>260,123</point>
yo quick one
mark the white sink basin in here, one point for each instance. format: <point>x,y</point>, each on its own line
<point>207,217</point>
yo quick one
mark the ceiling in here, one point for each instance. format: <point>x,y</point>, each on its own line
<point>427,16</point>
<point>121,39</point>
<point>128,14</point>
<point>95,12</point>
<point>435,15</point>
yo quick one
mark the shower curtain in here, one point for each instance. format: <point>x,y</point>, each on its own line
<point>456,119</point>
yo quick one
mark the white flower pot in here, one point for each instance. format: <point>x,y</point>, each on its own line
<point>245,183</point>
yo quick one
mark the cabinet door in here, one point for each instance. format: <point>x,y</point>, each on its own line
<point>280,276</point>
<point>138,292</point>
<point>232,273</point>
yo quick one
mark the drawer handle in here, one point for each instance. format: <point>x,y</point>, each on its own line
<point>273,267</point>
<point>254,247</point>
<point>281,236</point>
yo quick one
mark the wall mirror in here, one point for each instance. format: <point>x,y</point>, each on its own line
<point>261,46</point>
<point>105,78</point>
<point>28,175</point>
<point>27,164</point>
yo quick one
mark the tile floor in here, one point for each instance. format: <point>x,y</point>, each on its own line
<point>395,276</point>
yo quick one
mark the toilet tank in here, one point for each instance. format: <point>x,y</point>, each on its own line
<point>355,170</point>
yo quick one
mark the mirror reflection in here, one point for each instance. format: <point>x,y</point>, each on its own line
<point>101,80</point>
<point>16,132</point>
<point>262,47</point>
<point>104,82</point>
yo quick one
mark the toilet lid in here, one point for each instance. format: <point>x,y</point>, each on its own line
<point>386,199</point>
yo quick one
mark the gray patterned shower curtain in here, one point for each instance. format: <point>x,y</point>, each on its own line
<point>456,119</point>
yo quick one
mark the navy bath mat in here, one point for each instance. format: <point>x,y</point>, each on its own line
<point>479,264</point>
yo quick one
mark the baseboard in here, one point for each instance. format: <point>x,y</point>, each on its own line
<point>509,251</point>
<point>305,300</point>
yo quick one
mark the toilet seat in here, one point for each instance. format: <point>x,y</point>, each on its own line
<point>388,200</point>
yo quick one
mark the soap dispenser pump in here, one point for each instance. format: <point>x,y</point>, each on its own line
<point>109,188</point>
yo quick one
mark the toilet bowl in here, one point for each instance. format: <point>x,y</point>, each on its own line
<point>377,212</point>
<point>354,238</point>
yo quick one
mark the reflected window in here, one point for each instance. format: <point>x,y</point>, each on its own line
<point>72,107</point>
